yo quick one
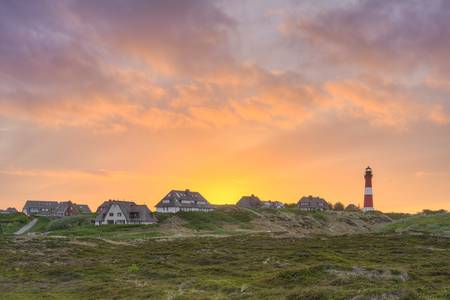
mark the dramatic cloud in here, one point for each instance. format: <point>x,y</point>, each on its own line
<point>381,35</point>
<point>172,36</point>
<point>222,96</point>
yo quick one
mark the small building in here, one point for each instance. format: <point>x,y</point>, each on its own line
<point>186,200</point>
<point>66,209</point>
<point>273,204</point>
<point>251,202</point>
<point>83,208</point>
<point>9,210</point>
<point>313,203</point>
<point>123,212</point>
<point>40,208</point>
<point>53,208</point>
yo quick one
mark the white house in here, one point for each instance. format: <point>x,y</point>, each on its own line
<point>123,212</point>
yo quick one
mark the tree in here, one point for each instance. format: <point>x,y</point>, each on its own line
<point>338,206</point>
<point>352,207</point>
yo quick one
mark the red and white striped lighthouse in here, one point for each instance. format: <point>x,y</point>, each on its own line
<point>368,196</point>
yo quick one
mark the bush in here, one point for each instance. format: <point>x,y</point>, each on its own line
<point>68,222</point>
<point>133,268</point>
<point>213,220</point>
<point>338,206</point>
<point>434,212</point>
<point>352,207</point>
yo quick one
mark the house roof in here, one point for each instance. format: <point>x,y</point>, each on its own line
<point>144,213</point>
<point>83,208</point>
<point>314,202</point>
<point>186,198</point>
<point>251,201</point>
<point>62,207</point>
<point>40,204</point>
<point>105,205</point>
<point>54,207</point>
<point>46,208</point>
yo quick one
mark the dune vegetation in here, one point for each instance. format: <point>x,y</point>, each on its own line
<point>250,266</point>
<point>231,253</point>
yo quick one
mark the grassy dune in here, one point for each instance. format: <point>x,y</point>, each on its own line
<point>369,266</point>
<point>437,224</point>
<point>231,253</point>
<point>221,222</point>
<point>10,223</point>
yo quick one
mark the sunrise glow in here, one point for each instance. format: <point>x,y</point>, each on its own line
<point>281,99</point>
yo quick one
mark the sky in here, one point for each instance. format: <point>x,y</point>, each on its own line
<point>115,99</point>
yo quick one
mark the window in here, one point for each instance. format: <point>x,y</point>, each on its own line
<point>111,214</point>
<point>119,214</point>
<point>110,222</point>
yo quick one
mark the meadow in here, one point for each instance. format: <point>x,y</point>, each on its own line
<point>368,266</point>
<point>189,256</point>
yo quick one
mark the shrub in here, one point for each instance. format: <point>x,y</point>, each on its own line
<point>352,207</point>
<point>67,222</point>
<point>133,268</point>
<point>434,212</point>
<point>212,220</point>
<point>338,206</point>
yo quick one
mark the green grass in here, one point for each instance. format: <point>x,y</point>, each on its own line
<point>82,226</point>
<point>397,216</point>
<point>113,232</point>
<point>41,225</point>
<point>216,219</point>
<point>70,222</point>
<point>371,266</point>
<point>438,224</point>
<point>10,223</point>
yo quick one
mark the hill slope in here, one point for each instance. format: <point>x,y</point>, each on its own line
<point>10,223</point>
<point>228,220</point>
<point>436,224</point>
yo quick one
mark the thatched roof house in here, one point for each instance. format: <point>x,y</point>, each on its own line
<point>9,210</point>
<point>313,203</point>
<point>53,208</point>
<point>123,212</point>
<point>186,200</point>
<point>251,201</point>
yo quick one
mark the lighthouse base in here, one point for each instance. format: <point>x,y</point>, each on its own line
<point>366,209</point>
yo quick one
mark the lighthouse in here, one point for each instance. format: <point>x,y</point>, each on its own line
<point>368,196</point>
